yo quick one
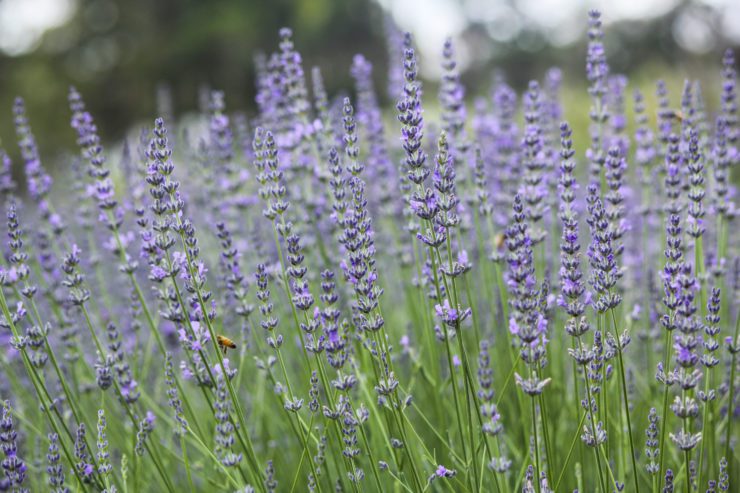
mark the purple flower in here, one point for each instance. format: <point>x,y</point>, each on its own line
<point>489,410</point>
<point>412,131</point>
<point>55,469</point>
<point>81,454</point>
<point>513,326</point>
<point>13,466</point>
<point>604,270</point>
<point>7,184</point>
<point>532,188</point>
<point>158,274</point>
<point>597,73</point>
<point>173,395</point>
<point>224,428</point>
<point>229,372</point>
<point>39,182</point>
<point>92,151</point>
<point>197,340</point>
<point>452,101</point>
<point>449,315</point>
<point>526,322</point>
<point>370,119</point>
<point>443,472</point>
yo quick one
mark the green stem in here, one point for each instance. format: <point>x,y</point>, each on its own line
<point>152,453</point>
<point>623,379</point>
<point>570,451</point>
<point>666,360</point>
<point>731,401</point>
<point>37,385</point>
<point>536,446</point>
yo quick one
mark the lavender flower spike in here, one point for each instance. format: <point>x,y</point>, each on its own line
<point>13,466</point>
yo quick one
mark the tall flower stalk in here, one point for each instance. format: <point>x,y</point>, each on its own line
<point>134,359</point>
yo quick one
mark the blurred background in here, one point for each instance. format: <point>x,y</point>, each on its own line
<point>118,52</point>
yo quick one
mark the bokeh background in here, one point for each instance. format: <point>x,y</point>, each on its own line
<point>119,52</point>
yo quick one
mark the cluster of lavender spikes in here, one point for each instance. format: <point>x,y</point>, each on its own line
<point>441,306</point>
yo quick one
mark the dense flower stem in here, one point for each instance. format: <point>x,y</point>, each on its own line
<point>152,453</point>
<point>49,351</point>
<point>368,447</point>
<point>625,396</point>
<point>393,221</point>
<point>709,361</point>
<point>451,366</point>
<point>380,340</point>
<point>161,152</point>
<point>385,361</point>
<point>299,423</point>
<point>304,438</point>
<point>38,385</point>
<point>466,374</point>
<point>469,389</point>
<point>277,227</point>
<point>437,210</point>
<point>513,357</point>
<point>92,151</point>
<point>242,431</point>
<point>435,255</point>
<point>294,312</point>
<point>73,403</point>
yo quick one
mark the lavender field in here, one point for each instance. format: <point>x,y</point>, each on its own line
<point>334,294</point>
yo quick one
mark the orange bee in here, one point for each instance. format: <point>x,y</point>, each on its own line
<point>499,241</point>
<point>225,343</point>
<point>678,115</point>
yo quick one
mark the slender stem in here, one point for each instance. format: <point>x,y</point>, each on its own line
<point>623,379</point>
<point>38,385</point>
<point>63,381</point>
<point>595,436</point>
<point>687,460</point>
<point>666,360</point>
<point>570,450</point>
<point>155,456</point>
<point>731,401</point>
<point>536,445</point>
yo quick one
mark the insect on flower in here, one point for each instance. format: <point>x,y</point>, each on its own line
<point>225,343</point>
<point>499,241</point>
<point>677,114</point>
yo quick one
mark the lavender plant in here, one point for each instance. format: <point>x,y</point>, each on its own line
<point>316,298</point>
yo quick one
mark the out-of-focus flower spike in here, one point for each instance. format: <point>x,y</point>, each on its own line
<point>38,180</point>
<point>13,466</point>
<point>597,73</point>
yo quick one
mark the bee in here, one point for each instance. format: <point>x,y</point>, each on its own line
<point>499,241</point>
<point>677,114</point>
<point>225,343</point>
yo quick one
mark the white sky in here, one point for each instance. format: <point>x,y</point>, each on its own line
<point>23,22</point>
<point>561,21</point>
